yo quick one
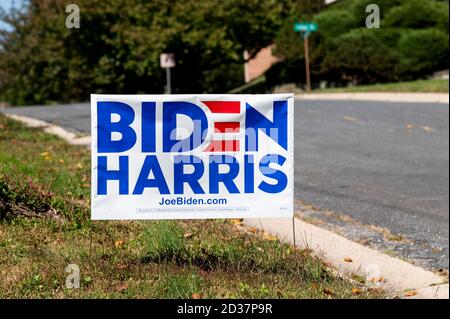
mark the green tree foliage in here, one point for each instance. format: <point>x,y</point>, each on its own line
<point>419,14</point>
<point>423,51</point>
<point>335,22</point>
<point>411,43</point>
<point>117,47</point>
<point>361,57</point>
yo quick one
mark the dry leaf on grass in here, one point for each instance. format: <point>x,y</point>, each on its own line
<point>410,293</point>
<point>328,292</point>
<point>270,237</point>
<point>356,291</point>
<point>119,243</point>
<point>236,221</point>
<point>196,296</point>
<point>376,279</point>
<point>121,287</point>
<point>187,235</point>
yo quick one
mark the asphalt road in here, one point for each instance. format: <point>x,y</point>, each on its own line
<point>383,164</point>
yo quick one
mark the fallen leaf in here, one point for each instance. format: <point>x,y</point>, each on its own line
<point>61,161</point>
<point>351,119</point>
<point>270,237</point>
<point>348,259</point>
<point>119,243</point>
<point>328,292</point>
<point>356,291</point>
<point>376,279</point>
<point>236,221</point>
<point>196,296</point>
<point>121,287</point>
<point>410,293</point>
<point>44,154</point>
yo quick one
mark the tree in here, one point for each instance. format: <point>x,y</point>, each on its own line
<point>117,47</point>
<point>419,14</point>
<point>359,56</point>
<point>423,52</point>
<point>344,50</point>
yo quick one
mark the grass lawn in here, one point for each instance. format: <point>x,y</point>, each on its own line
<point>423,86</point>
<point>45,226</point>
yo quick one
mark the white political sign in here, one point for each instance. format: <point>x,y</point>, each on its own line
<point>192,156</point>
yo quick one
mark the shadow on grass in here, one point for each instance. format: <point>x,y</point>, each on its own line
<point>218,247</point>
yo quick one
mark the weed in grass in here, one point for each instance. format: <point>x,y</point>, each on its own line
<point>180,285</point>
<point>164,241</point>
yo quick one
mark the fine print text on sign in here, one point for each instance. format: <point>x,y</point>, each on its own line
<point>192,156</point>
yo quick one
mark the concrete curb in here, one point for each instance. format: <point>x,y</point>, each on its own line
<point>441,98</point>
<point>348,257</point>
<point>69,137</point>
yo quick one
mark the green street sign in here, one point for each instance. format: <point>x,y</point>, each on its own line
<point>305,27</point>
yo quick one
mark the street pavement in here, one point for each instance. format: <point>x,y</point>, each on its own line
<point>378,163</point>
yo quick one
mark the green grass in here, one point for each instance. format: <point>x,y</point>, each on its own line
<point>45,226</point>
<point>423,86</point>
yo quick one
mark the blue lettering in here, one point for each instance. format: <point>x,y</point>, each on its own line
<point>226,178</point>
<point>151,164</point>
<point>104,175</point>
<point>180,177</point>
<point>105,127</point>
<point>276,130</point>
<point>148,127</point>
<point>275,174</point>
<point>198,117</point>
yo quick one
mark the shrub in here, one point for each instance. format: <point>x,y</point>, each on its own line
<point>423,52</point>
<point>360,56</point>
<point>419,14</point>
<point>335,22</point>
<point>358,10</point>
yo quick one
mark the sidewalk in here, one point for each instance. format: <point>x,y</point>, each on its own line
<point>441,98</point>
<point>396,276</point>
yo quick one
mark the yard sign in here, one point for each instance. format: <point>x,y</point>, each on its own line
<point>192,156</point>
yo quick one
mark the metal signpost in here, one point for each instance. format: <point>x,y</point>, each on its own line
<point>306,28</point>
<point>167,61</point>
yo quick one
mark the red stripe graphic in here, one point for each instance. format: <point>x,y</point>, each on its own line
<point>227,127</point>
<point>223,146</point>
<point>223,106</point>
